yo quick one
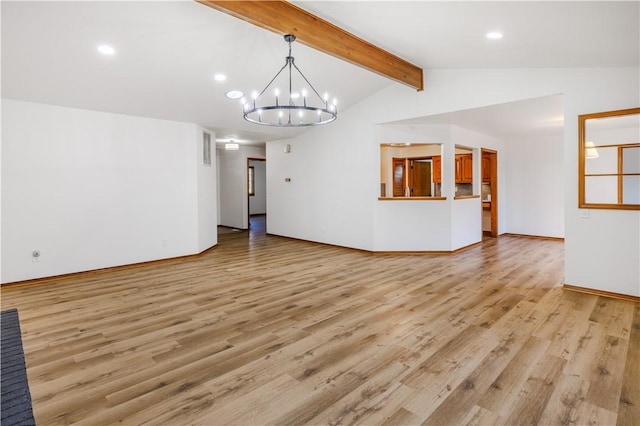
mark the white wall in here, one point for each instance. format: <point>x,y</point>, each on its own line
<point>406,225</point>
<point>535,187</point>
<point>234,204</point>
<point>335,170</point>
<point>92,190</point>
<point>332,186</point>
<point>258,202</point>
<point>207,194</point>
<point>466,222</point>
<point>601,251</point>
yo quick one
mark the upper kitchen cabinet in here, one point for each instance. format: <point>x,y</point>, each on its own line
<point>463,165</point>
<point>486,169</point>
<point>437,169</point>
<point>466,168</point>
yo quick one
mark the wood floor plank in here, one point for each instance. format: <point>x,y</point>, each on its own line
<point>568,405</point>
<point>270,330</point>
<point>436,378</point>
<point>503,393</point>
<point>479,416</point>
<point>606,379</point>
<point>402,417</point>
<point>534,396</point>
<point>455,408</point>
<point>629,408</point>
<point>614,315</point>
<point>359,405</point>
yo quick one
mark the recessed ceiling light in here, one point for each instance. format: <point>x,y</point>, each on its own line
<point>234,94</point>
<point>106,49</point>
<point>219,77</point>
<point>494,35</point>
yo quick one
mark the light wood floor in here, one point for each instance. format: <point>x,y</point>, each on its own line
<point>272,330</point>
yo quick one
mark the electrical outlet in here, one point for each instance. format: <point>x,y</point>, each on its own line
<point>584,214</point>
<point>164,242</point>
<point>35,255</point>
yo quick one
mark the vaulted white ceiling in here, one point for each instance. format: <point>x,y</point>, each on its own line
<point>167,52</point>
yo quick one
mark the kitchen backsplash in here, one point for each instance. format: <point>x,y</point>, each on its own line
<point>464,189</point>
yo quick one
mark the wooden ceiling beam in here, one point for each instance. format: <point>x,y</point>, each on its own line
<point>282,17</point>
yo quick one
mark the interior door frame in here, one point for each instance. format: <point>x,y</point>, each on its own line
<point>493,156</point>
<point>249,160</point>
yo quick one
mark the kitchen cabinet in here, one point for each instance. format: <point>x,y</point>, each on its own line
<point>437,168</point>
<point>464,168</point>
<point>486,169</point>
<point>467,168</point>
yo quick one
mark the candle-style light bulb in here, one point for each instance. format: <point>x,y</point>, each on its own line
<point>277,92</point>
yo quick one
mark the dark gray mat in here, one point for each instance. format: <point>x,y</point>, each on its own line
<point>16,399</point>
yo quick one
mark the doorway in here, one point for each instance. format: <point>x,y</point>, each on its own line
<point>257,195</point>
<point>489,192</point>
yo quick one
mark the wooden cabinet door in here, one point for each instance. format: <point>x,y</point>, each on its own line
<point>466,174</point>
<point>437,169</point>
<point>486,169</point>
<point>464,168</point>
<point>399,177</point>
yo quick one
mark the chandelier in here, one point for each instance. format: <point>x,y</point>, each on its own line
<point>297,110</point>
